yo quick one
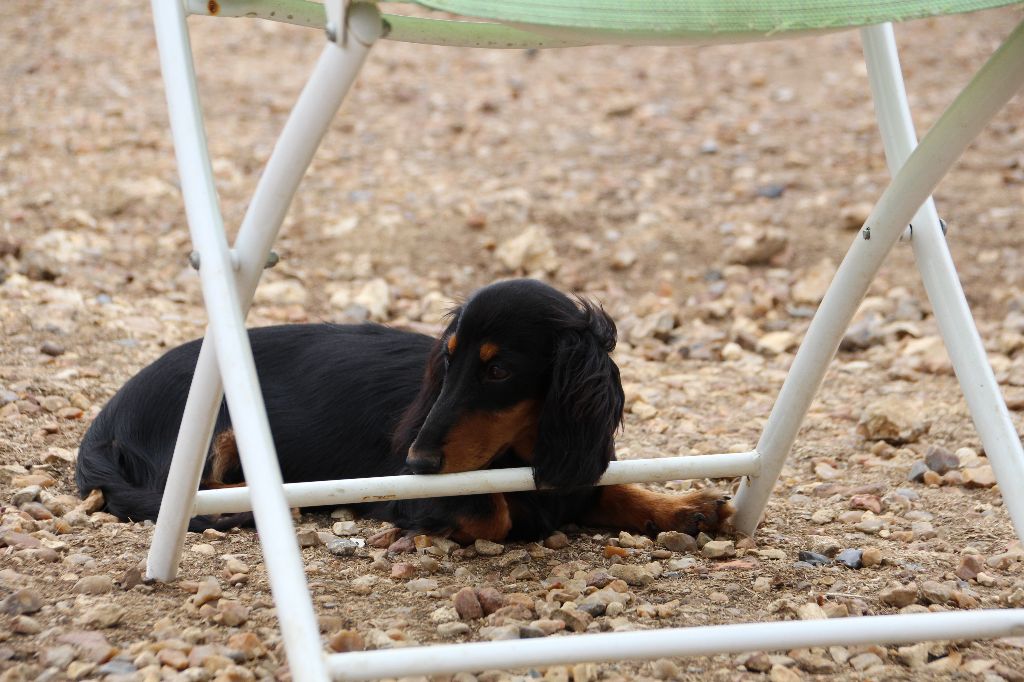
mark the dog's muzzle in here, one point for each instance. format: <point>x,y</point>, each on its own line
<point>424,462</point>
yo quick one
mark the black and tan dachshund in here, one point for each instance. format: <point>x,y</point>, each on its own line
<point>522,376</point>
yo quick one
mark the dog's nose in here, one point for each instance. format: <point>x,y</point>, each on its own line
<point>424,462</point>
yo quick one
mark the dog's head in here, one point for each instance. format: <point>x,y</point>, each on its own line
<point>521,368</point>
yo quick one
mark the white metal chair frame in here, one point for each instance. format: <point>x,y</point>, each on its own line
<point>229,277</point>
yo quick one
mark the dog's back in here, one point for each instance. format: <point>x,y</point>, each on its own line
<point>325,388</point>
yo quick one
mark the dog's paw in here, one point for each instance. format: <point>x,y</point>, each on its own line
<point>699,511</point>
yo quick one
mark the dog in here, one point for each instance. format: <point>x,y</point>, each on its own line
<point>521,376</point>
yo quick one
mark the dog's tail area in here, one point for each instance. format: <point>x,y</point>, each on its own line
<point>132,483</point>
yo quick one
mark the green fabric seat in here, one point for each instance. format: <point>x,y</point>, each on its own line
<point>689,20</point>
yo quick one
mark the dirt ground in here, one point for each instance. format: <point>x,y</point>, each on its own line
<point>703,195</point>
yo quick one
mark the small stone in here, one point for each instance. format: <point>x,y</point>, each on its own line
<point>632,574</point>
<point>308,537</point>
<point>895,420</point>
<point>26,625</point>
<point>823,516</point>
<point>871,556</point>
<point>102,616</point>
<point>403,571</point>
<point>21,602</point>
<point>813,558</point>
<point>453,629</point>
<point>870,525</point>
<point>467,605</point>
<point>574,619</point>
<point>94,584</point>
<point>899,595</point>
<point>677,542</point>
<point>345,528</point>
<point>780,673</point>
<point>718,549</point>
<point>207,591</point>
<point>363,584</point>
<point>665,669</point>
<point>490,599</point>
<point>917,471</point>
<point>172,658</point>
<point>231,613</point>
<point>864,661</point>
<point>914,656</point>
<point>488,548</point>
<point>979,477</point>
<point>936,593</point>
<point>342,546</point>
<point>940,460</point>
<point>421,585</point>
<point>51,348</point>
<point>811,611</point>
<point>851,558</point>
<point>346,640</point>
<point>500,633</point>
<point>203,549</point>
<point>970,567</point>
<point>557,540</point>
<point>869,503</point>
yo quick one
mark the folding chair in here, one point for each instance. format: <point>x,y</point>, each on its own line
<point>229,277</point>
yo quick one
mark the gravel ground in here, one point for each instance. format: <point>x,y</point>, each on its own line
<point>704,195</point>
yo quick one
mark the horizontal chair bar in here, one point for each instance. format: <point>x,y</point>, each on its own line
<point>439,659</point>
<point>355,490</point>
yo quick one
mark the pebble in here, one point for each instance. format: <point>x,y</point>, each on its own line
<point>780,673</point>
<point>51,348</point>
<point>940,460</point>
<point>490,599</point>
<point>869,503</point>
<point>677,542</point>
<point>823,516</point>
<point>488,548</point>
<point>979,477</point>
<point>899,595</point>
<point>231,613</point>
<point>346,640</point>
<point>871,556</point>
<point>718,549</point>
<point>467,605</point>
<point>453,629</point>
<point>94,584</point>
<point>970,566</point>
<point>403,571</point>
<point>557,540</point>
<point>345,528</point>
<point>935,592</point>
<point>421,585</point>
<point>308,537</point>
<point>894,419</point>
<point>363,584</point>
<point>102,616</point>
<point>814,559</point>
<point>866,660</point>
<point>26,625</point>
<point>21,602</point>
<point>811,611</point>
<point>633,574</point>
<point>851,558</point>
<point>870,525</point>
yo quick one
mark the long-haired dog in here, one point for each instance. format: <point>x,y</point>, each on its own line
<point>521,376</point>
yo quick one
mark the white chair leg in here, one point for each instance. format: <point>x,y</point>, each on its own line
<point>986,404</point>
<point>317,104</point>
<point>997,81</point>
<point>227,324</point>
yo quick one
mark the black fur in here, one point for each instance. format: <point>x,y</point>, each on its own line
<point>350,401</point>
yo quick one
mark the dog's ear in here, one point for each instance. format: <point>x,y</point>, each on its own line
<point>433,379</point>
<point>583,406</point>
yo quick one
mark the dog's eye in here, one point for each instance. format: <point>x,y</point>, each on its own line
<point>496,373</point>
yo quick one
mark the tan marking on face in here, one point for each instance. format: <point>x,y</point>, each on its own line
<point>488,351</point>
<point>494,527</point>
<point>452,343</point>
<point>478,436</point>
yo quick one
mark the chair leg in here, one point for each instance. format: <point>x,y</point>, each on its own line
<point>315,109</point>
<point>227,324</point>
<point>997,81</point>
<point>966,351</point>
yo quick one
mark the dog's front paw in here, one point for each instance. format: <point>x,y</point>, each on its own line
<point>699,511</point>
